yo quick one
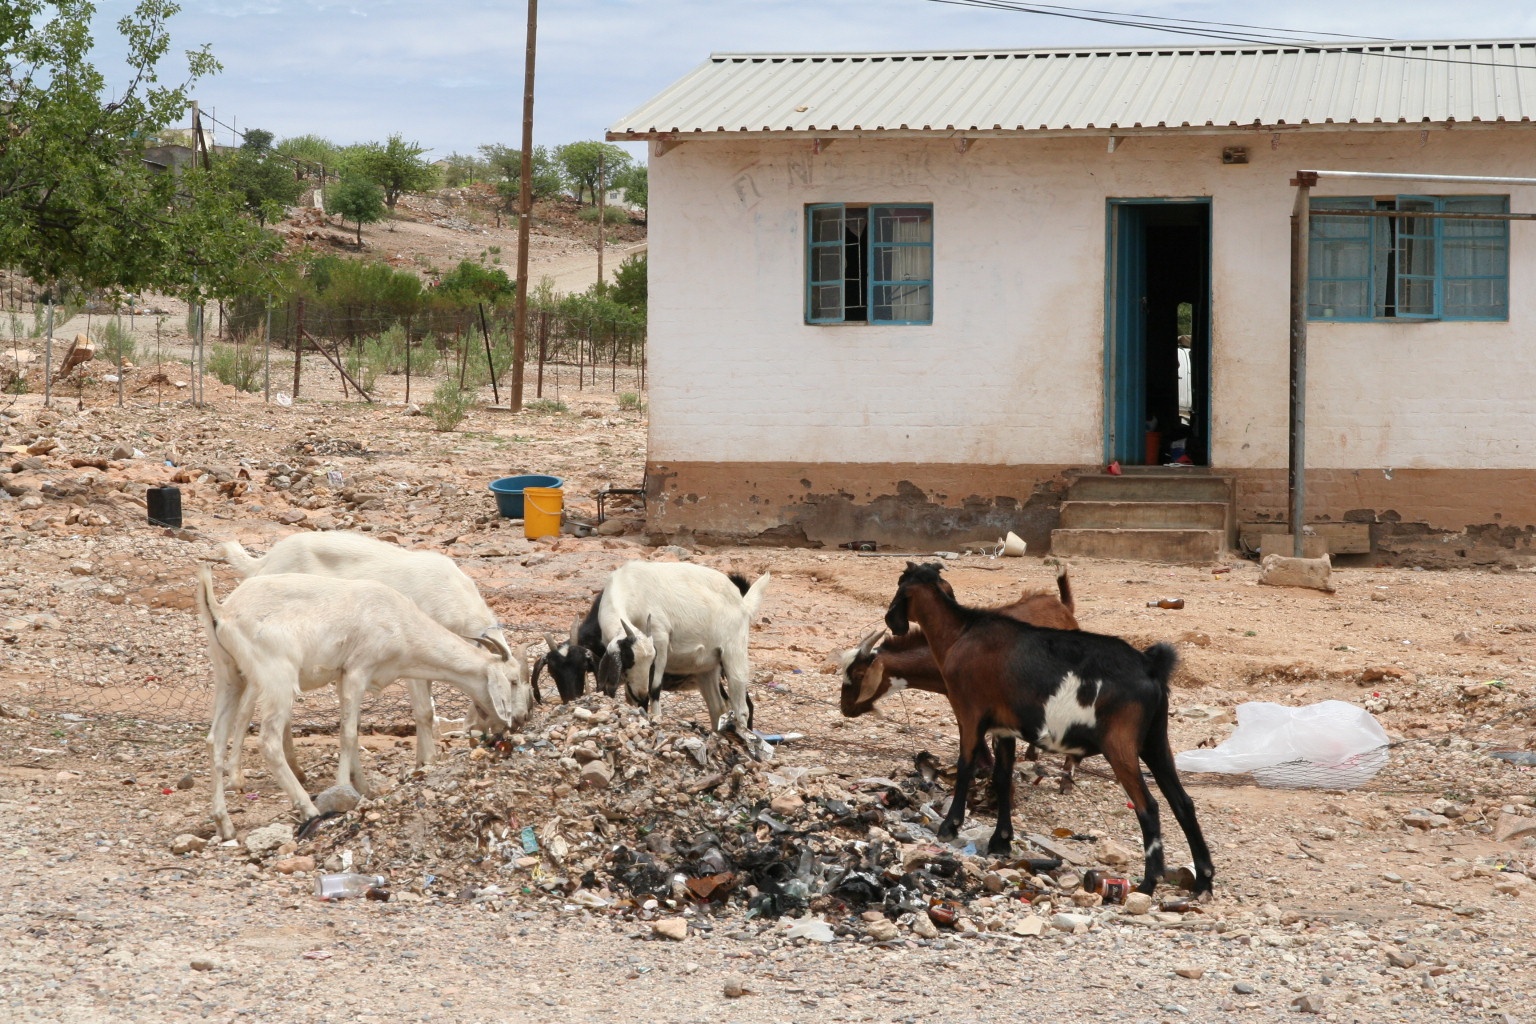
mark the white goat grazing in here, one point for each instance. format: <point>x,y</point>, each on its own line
<point>284,634</point>
<point>679,619</point>
<point>437,586</point>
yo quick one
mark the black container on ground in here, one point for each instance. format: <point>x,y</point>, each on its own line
<point>164,506</point>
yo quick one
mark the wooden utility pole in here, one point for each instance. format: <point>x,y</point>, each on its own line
<point>524,217</point>
<point>602,195</point>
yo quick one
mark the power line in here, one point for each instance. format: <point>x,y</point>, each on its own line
<point>1256,35</point>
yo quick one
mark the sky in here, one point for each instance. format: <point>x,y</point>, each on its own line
<point>448,74</point>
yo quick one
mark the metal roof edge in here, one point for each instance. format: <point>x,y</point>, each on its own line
<point>1170,47</point>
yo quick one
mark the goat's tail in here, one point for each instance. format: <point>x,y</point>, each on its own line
<point>207,603</point>
<point>1160,661</point>
<point>1064,588</point>
<point>246,564</point>
<point>753,598</point>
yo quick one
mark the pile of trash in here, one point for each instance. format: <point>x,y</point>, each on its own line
<point>600,808</point>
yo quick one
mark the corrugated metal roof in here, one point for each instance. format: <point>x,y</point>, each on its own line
<point>1065,90</point>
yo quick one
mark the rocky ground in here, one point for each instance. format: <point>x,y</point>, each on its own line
<point>594,864</point>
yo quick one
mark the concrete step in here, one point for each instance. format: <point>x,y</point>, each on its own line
<point>1177,485</point>
<point>1184,546</point>
<point>1144,515</point>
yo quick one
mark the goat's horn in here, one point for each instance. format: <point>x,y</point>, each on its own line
<point>549,639</point>
<point>574,627</point>
<point>870,641</point>
<point>628,629</point>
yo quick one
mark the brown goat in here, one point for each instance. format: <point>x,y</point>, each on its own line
<point>1068,691</point>
<point>906,662</point>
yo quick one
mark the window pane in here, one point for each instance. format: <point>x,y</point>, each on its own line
<point>827,264</point>
<point>1415,296</point>
<point>903,224</point>
<point>827,302</point>
<point>904,263</point>
<point>827,225</point>
<point>1475,259</point>
<point>903,302</point>
<point>1339,261</point>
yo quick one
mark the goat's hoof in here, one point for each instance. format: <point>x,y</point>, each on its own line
<point>308,827</point>
<point>946,832</point>
<point>1000,847</point>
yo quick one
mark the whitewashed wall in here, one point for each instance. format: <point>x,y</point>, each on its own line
<point>1010,372</point>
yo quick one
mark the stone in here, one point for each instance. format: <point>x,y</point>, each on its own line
<point>882,930</point>
<point>923,927</point>
<point>1425,820</point>
<point>1242,988</point>
<point>734,988</point>
<point>1309,1003</point>
<point>786,803</point>
<point>337,800</point>
<point>1071,922</point>
<point>268,838</point>
<point>1034,924</point>
<point>1192,973</point>
<point>1280,571</point>
<point>186,781</point>
<point>1513,826</point>
<point>1138,903</point>
<point>1401,958</point>
<point>122,451</point>
<point>289,865</point>
<point>596,775</point>
<point>188,843</point>
<point>1115,855</point>
<point>674,928</point>
<point>201,963</point>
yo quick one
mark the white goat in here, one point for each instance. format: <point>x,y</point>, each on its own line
<point>280,635</point>
<point>679,619</point>
<point>431,580</point>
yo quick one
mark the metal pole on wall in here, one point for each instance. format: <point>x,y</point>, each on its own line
<point>1301,235</point>
<point>524,218</point>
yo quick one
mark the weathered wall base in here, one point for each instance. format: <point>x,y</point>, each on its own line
<point>900,505</point>
<point>1416,516</point>
<point>1439,517</point>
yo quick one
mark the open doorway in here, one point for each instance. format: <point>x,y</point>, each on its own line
<point>1158,339</point>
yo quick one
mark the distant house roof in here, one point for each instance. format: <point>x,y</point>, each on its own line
<point>1189,88</point>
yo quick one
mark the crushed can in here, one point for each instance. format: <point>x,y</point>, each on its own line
<point>1113,888</point>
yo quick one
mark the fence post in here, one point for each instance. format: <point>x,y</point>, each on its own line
<point>298,349</point>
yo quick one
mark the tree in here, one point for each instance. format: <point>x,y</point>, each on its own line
<point>476,283</point>
<point>630,284</point>
<point>585,161</point>
<point>264,179</point>
<point>635,181</point>
<point>356,199</point>
<point>79,204</point>
<point>463,170</point>
<point>396,167</point>
<point>506,169</point>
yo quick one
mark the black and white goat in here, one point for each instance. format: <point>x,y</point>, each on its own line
<point>659,626</point>
<point>1066,691</point>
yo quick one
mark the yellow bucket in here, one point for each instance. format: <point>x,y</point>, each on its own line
<point>542,507</point>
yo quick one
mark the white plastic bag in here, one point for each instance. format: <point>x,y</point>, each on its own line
<point>1329,745</point>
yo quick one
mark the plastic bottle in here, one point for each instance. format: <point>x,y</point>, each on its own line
<point>1166,602</point>
<point>341,886</point>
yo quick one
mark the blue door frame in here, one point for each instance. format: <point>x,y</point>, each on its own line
<point>1125,326</point>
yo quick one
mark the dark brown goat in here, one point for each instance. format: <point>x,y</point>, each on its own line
<point>1072,692</point>
<point>906,662</point>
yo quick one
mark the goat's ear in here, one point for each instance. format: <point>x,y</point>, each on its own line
<point>538,666</point>
<point>608,673</point>
<point>501,694</point>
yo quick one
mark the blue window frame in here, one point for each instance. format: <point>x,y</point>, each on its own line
<point>869,263</point>
<point>1409,268</point>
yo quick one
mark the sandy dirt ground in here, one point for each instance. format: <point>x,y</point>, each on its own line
<point>1405,899</point>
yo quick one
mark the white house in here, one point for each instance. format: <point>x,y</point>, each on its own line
<point>912,297</point>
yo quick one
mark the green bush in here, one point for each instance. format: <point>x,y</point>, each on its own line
<point>449,405</point>
<point>113,342</point>
<point>238,366</point>
<point>546,405</point>
<point>363,372</point>
<point>630,402</point>
<point>611,215</point>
